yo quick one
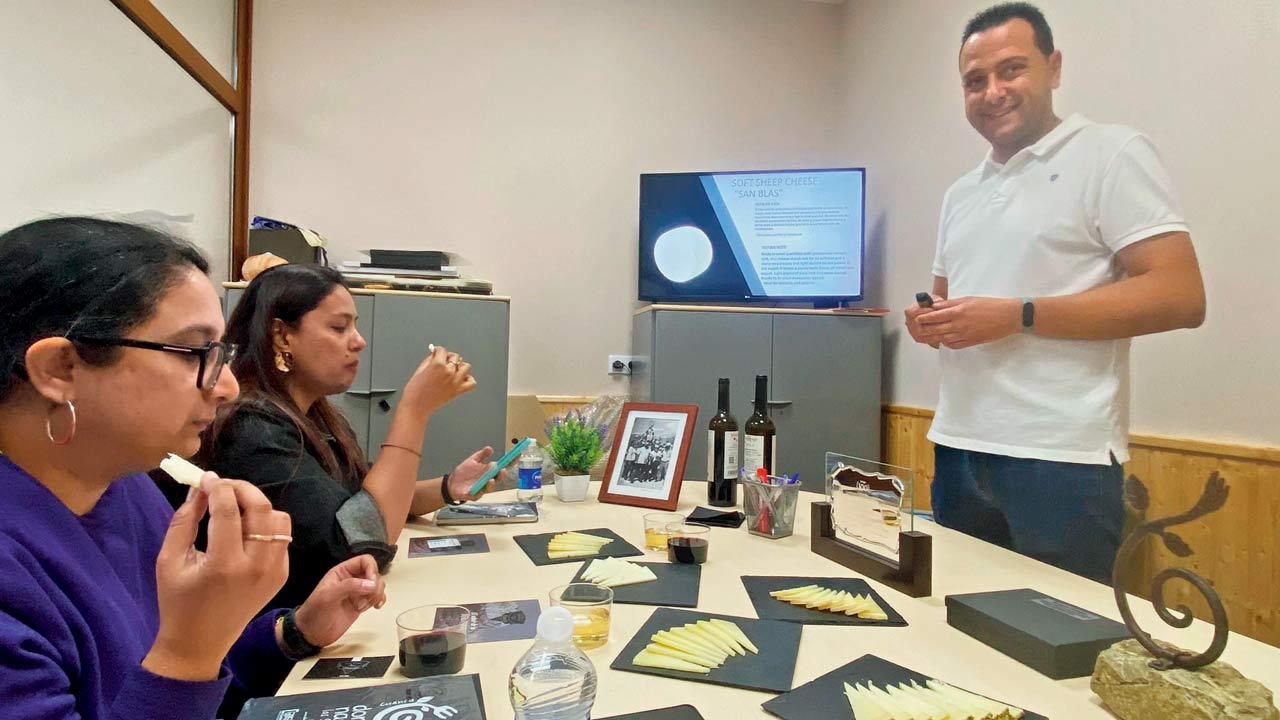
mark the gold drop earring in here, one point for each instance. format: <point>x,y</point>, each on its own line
<point>284,361</point>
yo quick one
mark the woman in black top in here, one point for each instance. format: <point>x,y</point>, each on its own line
<point>296,329</point>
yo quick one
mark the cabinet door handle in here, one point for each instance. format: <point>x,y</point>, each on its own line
<point>779,403</point>
<point>373,393</point>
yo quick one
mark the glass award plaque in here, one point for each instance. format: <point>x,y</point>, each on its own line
<point>867,524</point>
<point>871,502</point>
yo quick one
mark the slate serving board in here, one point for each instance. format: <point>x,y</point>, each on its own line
<point>769,671</point>
<point>677,586</point>
<point>770,608</point>
<point>535,546</point>
<point>823,698</point>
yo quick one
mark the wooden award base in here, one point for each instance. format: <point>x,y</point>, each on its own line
<point>912,574</point>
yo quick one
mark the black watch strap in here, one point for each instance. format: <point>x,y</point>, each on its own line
<point>445,494</point>
<point>1028,314</point>
<point>296,645</point>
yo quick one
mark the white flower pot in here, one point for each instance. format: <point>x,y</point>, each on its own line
<point>572,488</point>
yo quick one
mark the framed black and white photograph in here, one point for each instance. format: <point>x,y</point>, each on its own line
<point>646,464</point>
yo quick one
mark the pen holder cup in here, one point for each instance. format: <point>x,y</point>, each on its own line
<point>770,509</point>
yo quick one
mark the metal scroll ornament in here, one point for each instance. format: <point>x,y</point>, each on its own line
<point>1136,496</point>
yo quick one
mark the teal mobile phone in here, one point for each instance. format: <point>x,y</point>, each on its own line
<point>503,461</point>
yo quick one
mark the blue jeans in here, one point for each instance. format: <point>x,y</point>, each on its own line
<point>1069,515</point>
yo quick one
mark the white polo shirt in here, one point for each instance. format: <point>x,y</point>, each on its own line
<point>1046,223</point>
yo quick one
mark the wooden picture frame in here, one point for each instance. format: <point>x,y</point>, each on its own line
<point>650,447</point>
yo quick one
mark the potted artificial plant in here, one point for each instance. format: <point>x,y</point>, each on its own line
<point>575,445</point>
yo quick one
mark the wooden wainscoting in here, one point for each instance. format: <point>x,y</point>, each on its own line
<point>1236,548</point>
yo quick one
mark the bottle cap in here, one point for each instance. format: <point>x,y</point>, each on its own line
<point>555,625</point>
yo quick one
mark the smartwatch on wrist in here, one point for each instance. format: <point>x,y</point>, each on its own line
<point>294,643</point>
<point>1028,314</point>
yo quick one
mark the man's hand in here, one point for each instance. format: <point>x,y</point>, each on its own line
<point>913,315</point>
<point>968,321</point>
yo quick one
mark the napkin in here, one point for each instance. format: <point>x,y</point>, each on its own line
<point>716,518</point>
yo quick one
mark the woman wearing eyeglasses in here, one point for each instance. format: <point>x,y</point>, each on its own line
<point>109,361</point>
<point>296,330</point>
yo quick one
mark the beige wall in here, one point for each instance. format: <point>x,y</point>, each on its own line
<point>1201,78</point>
<point>96,119</point>
<point>514,133</point>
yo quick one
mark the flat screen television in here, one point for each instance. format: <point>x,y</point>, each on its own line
<point>782,235</point>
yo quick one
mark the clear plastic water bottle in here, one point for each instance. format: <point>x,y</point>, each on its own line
<point>529,483</point>
<point>554,680</point>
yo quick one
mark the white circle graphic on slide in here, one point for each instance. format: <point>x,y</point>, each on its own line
<point>682,253</point>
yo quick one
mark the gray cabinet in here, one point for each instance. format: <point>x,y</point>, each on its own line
<point>823,368</point>
<point>399,327</point>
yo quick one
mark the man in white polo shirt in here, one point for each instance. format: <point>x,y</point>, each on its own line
<point>1064,243</point>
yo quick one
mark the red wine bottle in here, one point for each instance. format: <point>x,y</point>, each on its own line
<point>722,453</point>
<point>761,437</point>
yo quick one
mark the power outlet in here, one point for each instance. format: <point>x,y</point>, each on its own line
<point>621,364</point>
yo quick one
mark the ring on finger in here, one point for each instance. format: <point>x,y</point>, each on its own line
<point>268,538</point>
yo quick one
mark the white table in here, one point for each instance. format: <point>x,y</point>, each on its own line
<point>961,564</point>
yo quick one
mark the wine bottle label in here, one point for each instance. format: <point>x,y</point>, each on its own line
<point>711,454</point>
<point>753,454</point>
<point>731,455</point>
<point>730,439</point>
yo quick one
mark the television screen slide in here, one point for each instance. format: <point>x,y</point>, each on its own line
<point>752,235</point>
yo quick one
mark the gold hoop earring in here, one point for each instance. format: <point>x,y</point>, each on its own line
<point>48,425</point>
<point>284,361</point>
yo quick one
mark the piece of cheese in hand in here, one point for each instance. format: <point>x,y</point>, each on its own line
<point>181,470</point>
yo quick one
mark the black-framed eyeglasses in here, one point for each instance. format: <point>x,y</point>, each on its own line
<point>213,355</point>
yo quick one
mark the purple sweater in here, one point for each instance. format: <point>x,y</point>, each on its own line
<point>78,611</point>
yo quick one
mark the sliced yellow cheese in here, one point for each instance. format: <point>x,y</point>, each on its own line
<point>725,638</point>
<point>561,554</point>
<point>864,707</point>
<point>616,572</point>
<point>682,634</point>
<point>736,633</point>
<point>573,543</point>
<point>819,598</point>
<point>792,592</point>
<point>705,656</point>
<point>583,537</point>
<point>937,701</point>
<point>660,649</point>
<point>648,659</point>
<point>983,707</point>
<point>803,598</point>
<point>702,634</point>
<point>917,704</point>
